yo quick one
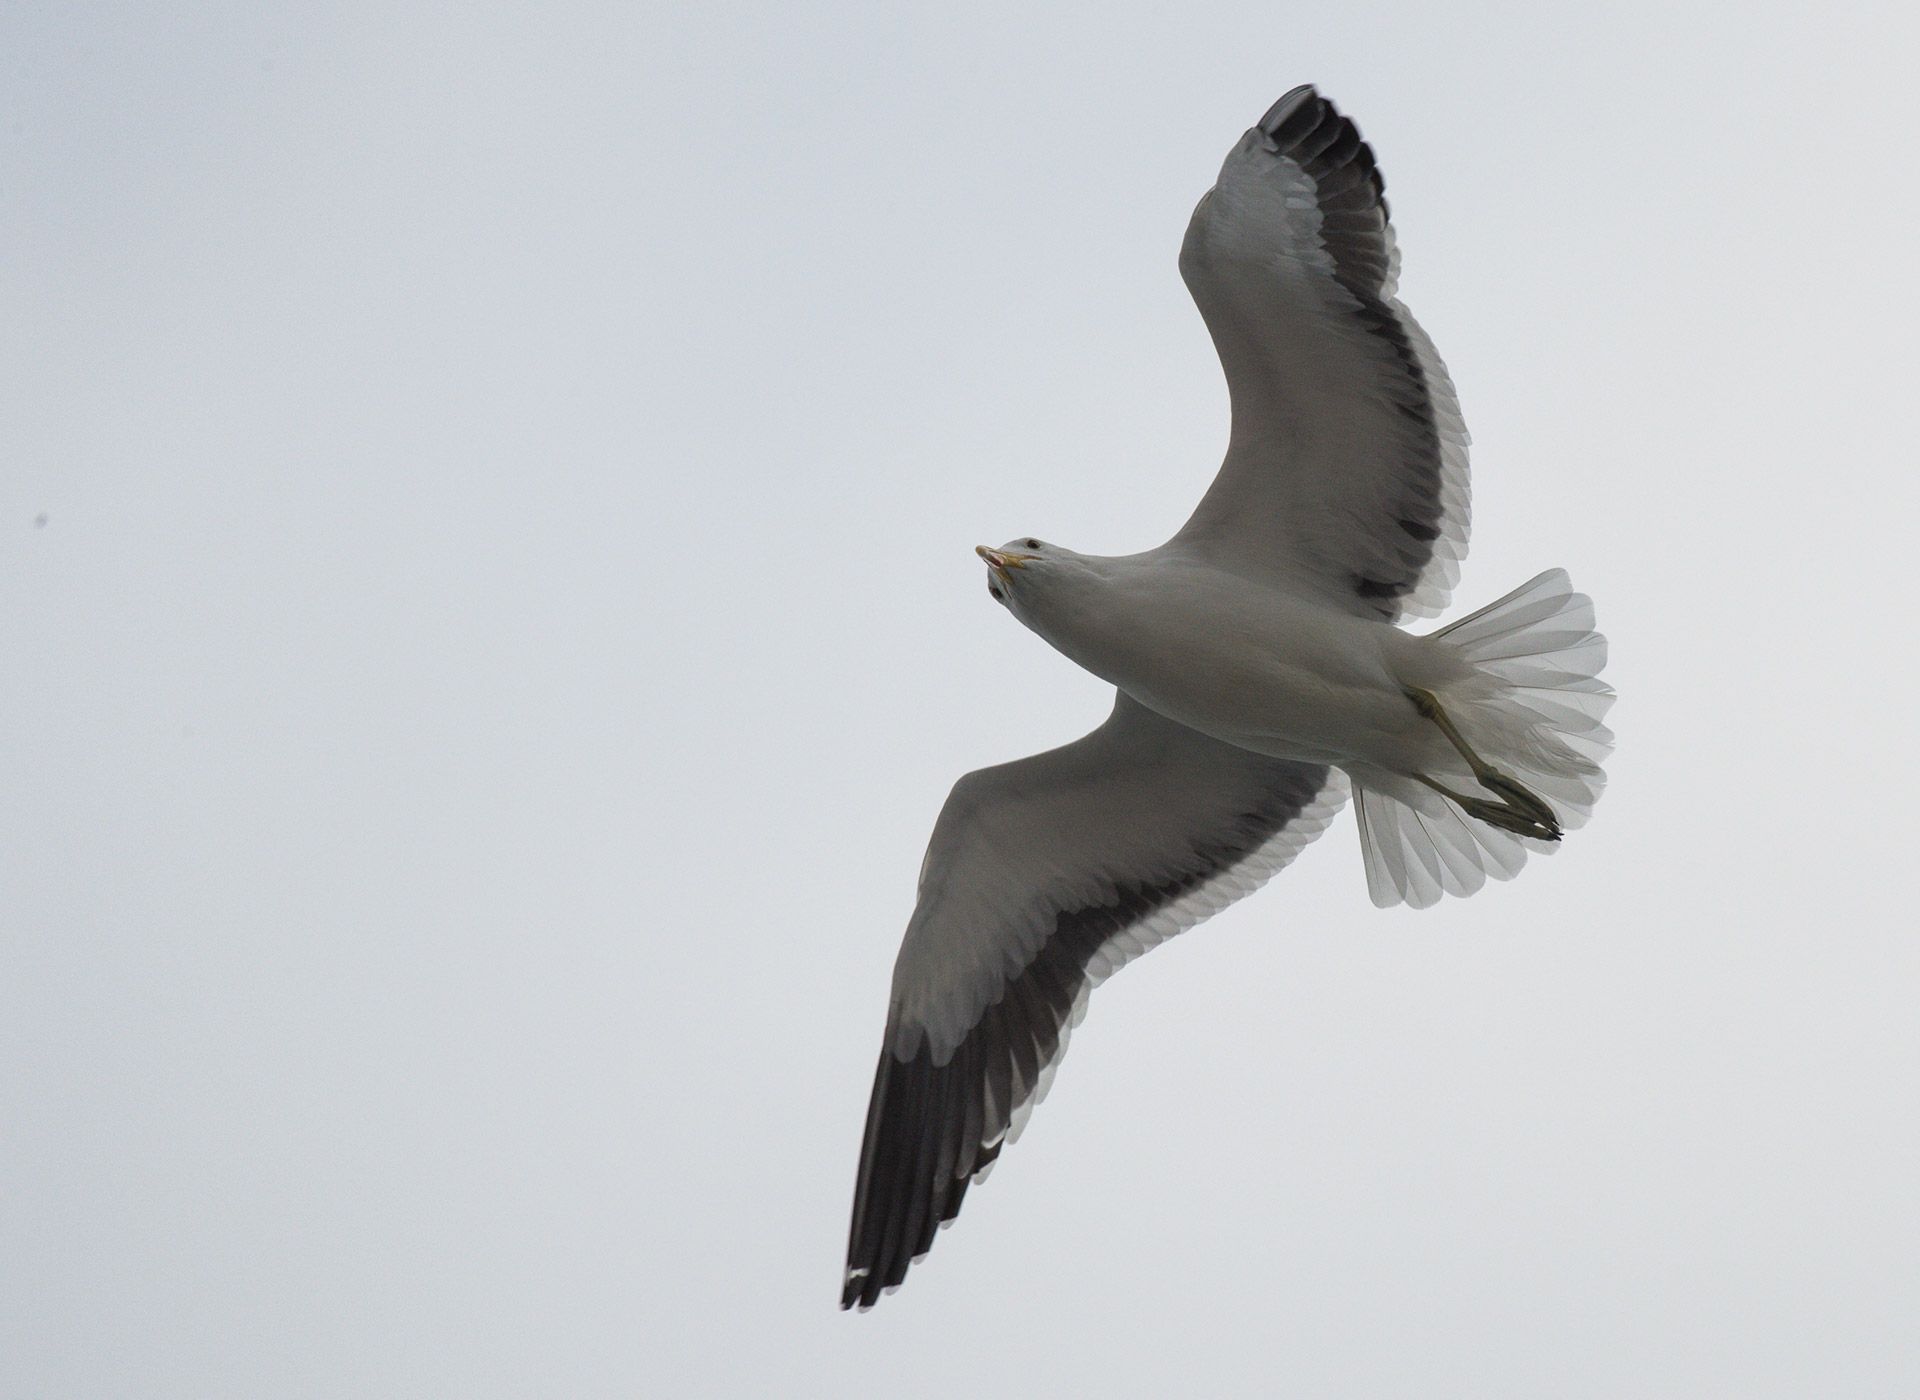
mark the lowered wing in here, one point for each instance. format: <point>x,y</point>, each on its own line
<point>1043,876</point>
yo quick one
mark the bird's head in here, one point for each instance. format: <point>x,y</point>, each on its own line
<point>1017,566</point>
<point>1046,586</point>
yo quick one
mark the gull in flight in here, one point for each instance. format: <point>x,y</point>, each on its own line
<point>1261,676</point>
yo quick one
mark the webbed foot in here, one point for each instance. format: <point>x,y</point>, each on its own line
<point>1519,810</point>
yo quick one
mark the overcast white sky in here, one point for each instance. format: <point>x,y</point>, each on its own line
<point>504,622</point>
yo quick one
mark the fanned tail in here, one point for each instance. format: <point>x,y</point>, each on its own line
<point>1534,707</point>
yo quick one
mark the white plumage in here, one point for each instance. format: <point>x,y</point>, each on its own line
<point>1260,673</point>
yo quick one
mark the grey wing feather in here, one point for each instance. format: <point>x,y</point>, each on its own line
<point>1044,876</point>
<point>1346,471</point>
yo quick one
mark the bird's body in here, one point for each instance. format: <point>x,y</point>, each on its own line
<point>1261,676</point>
<point>1267,671</point>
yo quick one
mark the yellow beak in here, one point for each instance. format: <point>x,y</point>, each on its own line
<point>1000,559</point>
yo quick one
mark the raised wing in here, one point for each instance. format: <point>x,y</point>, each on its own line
<point>1346,471</point>
<point>1043,877</point>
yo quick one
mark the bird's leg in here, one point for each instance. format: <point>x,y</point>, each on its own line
<point>1428,704</point>
<point>1518,810</point>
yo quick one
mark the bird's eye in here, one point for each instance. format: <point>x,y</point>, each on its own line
<point>1033,544</point>
<point>994,589</point>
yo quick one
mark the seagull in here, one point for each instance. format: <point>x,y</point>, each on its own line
<point>1261,675</point>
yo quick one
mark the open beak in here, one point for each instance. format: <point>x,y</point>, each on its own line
<point>1000,560</point>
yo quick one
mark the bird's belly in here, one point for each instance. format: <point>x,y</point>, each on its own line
<point>1314,687</point>
<point>1285,711</point>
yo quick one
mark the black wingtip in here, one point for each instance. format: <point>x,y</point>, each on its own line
<point>1287,105</point>
<point>850,1291</point>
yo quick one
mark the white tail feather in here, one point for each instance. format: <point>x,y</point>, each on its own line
<point>1533,707</point>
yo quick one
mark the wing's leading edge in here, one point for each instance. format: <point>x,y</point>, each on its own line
<point>1346,471</point>
<point>1043,876</point>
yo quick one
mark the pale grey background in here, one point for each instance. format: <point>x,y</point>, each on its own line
<point>504,624</point>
